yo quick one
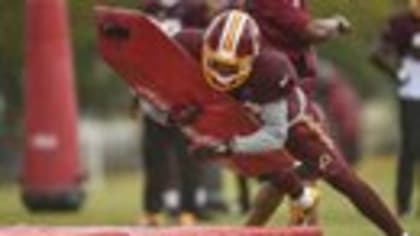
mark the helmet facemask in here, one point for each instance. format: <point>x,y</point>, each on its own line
<point>226,73</point>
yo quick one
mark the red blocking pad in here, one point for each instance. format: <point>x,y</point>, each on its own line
<point>141,48</point>
<point>176,231</point>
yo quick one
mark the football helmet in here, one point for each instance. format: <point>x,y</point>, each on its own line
<point>231,43</point>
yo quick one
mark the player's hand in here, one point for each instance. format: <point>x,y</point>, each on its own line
<point>211,150</point>
<point>343,24</point>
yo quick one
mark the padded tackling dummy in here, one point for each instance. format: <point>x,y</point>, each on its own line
<point>52,172</point>
<point>163,73</point>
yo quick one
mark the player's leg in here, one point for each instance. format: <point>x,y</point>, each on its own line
<point>212,187</point>
<point>154,159</point>
<point>309,143</point>
<point>405,172</point>
<point>189,178</point>
<point>417,185</point>
<point>305,215</point>
<point>298,215</point>
<point>271,194</point>
<point>267,200</point>
<point>243,193</point>
<point>417,158</point>
<point>363,197</point>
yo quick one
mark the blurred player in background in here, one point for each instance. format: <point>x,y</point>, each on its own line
<point>200,188</point>
<point>398,55</point>
<point>166,159</point>
<point>167,164</point>
<point>288,26</point>
<point>342,107</point>
<point>235,62</point>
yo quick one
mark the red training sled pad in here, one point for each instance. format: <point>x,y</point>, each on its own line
<point>166,75</point>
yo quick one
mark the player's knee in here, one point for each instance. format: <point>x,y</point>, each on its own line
<point>287,182</point>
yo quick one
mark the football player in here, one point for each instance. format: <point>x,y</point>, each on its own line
<point>398,55</point>
<point>173,16</point>
<point>287,25</point>
<point>235,62</point>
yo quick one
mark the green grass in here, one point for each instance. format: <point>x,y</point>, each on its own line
<point>118,204</point>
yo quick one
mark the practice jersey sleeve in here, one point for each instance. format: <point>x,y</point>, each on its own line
<point>271,136</point>
<point>283,16</point>
<point>395,33</point>
<point>389,33</point>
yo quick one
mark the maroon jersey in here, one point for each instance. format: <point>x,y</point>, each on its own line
<point>401,32</point>
<point>191,13</point>
<point>283,23</point>
<point>272,76</point>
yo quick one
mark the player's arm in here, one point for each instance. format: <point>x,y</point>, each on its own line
<point>287,18</point>
<point>385,54</point>
<point>273,133</point>
<point>320,30</point>
<point>385,58</point>
<point>271,136</point>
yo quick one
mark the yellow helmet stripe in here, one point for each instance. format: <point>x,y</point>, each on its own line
<point>232,31</point>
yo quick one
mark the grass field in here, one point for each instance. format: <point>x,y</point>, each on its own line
<point>118,204</point>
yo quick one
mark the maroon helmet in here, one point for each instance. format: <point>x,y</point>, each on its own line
<point>231,43</point>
